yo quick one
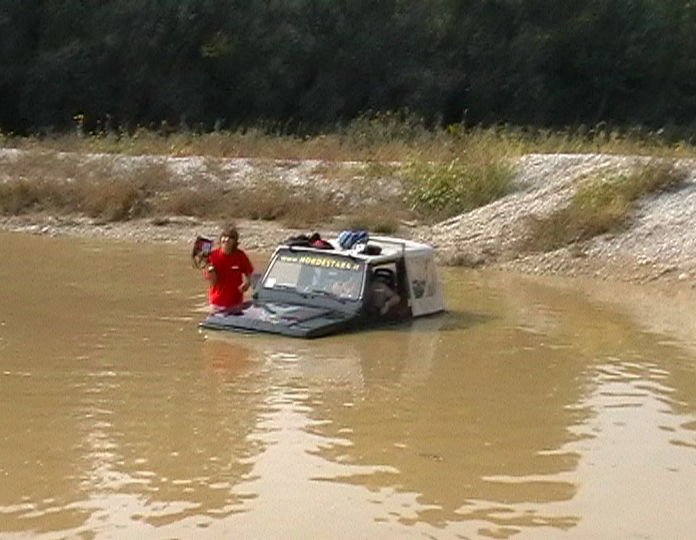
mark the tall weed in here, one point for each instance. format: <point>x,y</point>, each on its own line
<point>383,136</point>
<point>18,197</point>
<point>112,200</point>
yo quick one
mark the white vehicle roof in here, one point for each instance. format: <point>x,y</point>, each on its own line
<point>389,249</point>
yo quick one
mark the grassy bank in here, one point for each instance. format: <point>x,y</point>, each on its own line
<point>441,172</point>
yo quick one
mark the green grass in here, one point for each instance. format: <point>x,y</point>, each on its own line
<point>441,190</point>
<point>601,205</point>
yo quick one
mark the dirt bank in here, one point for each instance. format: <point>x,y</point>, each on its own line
<point>660,246</point>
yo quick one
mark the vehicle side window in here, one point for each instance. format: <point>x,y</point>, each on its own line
<point>421,272</point>
<point>386,274</point>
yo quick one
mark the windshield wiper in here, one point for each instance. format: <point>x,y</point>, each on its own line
<point>284,287</point>
<point>328,294</point>
<point>289,288</point>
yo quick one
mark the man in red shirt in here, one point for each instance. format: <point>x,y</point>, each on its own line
<point>228,272</point>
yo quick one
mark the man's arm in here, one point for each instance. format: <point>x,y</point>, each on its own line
<point>246,274</point>
<point>246,282</point>
<point>392,300</point>
<point>210,274</point>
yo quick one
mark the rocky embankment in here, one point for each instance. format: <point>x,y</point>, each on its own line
<point>659,246</point>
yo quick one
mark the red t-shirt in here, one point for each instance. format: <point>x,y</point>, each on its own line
<point>229,269</point>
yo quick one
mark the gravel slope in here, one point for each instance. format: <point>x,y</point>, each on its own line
<point>661,244</point>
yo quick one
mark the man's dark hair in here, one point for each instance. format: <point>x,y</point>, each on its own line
<point>230,230</point>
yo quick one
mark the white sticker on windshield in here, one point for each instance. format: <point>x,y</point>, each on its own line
<point>270,283</point>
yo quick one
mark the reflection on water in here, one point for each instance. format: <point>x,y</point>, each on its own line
<point>533,409</point>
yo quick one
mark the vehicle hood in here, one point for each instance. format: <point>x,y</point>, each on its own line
<point>277,318</point>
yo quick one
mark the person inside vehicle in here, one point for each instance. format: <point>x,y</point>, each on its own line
<point>347,287</point>
<point>383,297</point>
<point>228,271</point>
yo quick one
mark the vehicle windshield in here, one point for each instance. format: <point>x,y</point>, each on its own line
<point>316,274</point>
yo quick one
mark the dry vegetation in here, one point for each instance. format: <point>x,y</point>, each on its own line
<point>378,138</point>
<point>601,205</point>
<point>440,173</point>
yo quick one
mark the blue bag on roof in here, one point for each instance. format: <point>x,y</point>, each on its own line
<point>347,239</point>
<point>343,238</point>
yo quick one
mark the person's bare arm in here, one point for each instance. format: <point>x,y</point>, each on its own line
<point>246,283</point>
<point>393,299</point>
<point>210,274</point>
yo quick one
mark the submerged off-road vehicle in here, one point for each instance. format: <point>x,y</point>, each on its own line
<point>317,289</point>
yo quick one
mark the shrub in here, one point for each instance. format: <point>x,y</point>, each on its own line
<point>374,128</point>
<point>151,178</point>
<point>190,201</point>
<point>441,190</point>
<point>112,200</point>
<point>18,197</point>
<point>263,199</point>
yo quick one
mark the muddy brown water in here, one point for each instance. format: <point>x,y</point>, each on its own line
<point>535,408</point>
